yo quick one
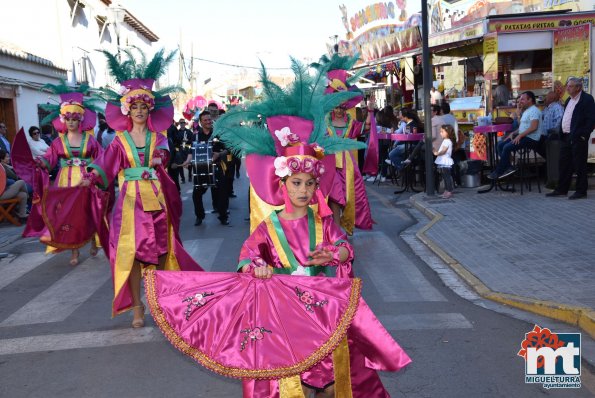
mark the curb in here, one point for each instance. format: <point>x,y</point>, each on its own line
<point>582,317</point>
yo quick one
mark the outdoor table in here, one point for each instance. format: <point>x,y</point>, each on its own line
<point>410,141</point>
<point>491,133</point>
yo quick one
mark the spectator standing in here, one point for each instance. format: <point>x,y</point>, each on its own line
<point>501,93</point>
<point>37,145</point>
<point>527,136</point>
<point>577,124</point>
<point>444,160</point>
<point>552,114</point>
<point>4,143</point>
<point>435,96</point>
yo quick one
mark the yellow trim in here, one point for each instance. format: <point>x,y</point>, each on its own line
<point>318,223</point>
<point>348,216</point>
<point>342,370</point>
<point>259,209</point>
<point>291,387</point>
<point>276,243</point>
<point>126,249</point>
<point>272,373</point>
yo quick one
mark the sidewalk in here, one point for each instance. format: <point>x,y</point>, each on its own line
<point>9,234</point>
<point>529,251</point>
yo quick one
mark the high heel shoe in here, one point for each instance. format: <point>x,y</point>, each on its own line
<point>138,322</point>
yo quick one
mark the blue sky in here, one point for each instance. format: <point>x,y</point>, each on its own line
<point>241,32</point>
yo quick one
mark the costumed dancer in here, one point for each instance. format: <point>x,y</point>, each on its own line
<point>144,229</point>
<point>284,332</point>
<point>75,148</point>
<point>348,199</point>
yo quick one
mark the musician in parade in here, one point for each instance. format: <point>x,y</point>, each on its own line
<point>144,227</point>
<point>214,174</point>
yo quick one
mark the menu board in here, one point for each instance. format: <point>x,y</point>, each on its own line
<point>572,54</point>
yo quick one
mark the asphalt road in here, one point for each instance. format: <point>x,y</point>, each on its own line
<point>57,338</point>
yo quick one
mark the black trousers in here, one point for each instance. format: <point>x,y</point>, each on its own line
<point>219,196</point>
<point>573,159</point>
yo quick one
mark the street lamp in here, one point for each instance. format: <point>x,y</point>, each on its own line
<point>116,14</point>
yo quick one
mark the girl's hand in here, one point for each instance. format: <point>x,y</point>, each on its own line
<point>320,257</point>
<point>263,272</point>
<point>85,183</point>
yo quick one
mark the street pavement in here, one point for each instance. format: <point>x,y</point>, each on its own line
<point>527,251</point>
<point>57,339</point>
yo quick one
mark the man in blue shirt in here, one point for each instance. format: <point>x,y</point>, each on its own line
<point>527,136</point>
<point>552,115</point>
<point>4,143</point>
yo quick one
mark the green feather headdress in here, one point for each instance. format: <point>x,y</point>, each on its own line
<point>244,129</point>
<point>343,62</point>
<point>131,72</point>
<point>67,93</point>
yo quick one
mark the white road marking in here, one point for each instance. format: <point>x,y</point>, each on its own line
<point>62,298</point>
<point>13,269</point>
<point>71,341</point>
<point>425,321</point>
<point>394,276</point>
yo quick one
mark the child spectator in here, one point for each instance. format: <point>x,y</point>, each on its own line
<point>444,160</point>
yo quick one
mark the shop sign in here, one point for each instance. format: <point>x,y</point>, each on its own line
<point>380,42</point>
<point>468,32</point>
<point>572,54</point>
<point>490,56</point>
<point>540,23</point>
<point>445,15</point>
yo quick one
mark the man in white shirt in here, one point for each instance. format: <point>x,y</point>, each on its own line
<point>528,135</point>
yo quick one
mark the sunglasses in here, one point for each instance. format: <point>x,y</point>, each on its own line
<point>35,133</point>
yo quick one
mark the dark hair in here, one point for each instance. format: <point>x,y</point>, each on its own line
<point>203,113</point>
<point>411,114</point>
<point>436,108</point>
<point>530,94</point>
<point>445,107</point>
<point>451,132</point>
<point>32,129</point>
<point>3,154</point>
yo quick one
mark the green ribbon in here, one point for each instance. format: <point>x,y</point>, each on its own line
<point>293,262</point>
<point>135,173</point>
<point>82,147</point>
<point>134,149</point>
<point>345,129</point>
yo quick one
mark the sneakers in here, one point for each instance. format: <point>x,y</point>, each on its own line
<point>371,179</point>
<point>509,171</point>
<point>382,179</point>
<point>406,162</point>
<point>447,195</point>
<point>493,175</point>
<point>387,161</point>
<point>555,193</point>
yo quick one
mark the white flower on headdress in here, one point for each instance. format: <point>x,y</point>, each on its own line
<point>283,135</point>
<point>124,110</point>
<point>281,168</point>
<point>123,90</point>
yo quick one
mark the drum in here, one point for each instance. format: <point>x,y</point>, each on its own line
<point>202,162</point>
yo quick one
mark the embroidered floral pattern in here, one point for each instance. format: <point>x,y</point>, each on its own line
<point>308,300</point>
<point>72,116</point>
<point>252,335</point>
<point>196,301</point>
<point>76,162</point>
<point>65,227</point>
<point>149,175</point>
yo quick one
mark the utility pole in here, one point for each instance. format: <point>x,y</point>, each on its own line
<point>427,76</point>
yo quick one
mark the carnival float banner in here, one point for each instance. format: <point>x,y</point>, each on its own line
<point>381,29</point>
<point>444,15</point>
<point>572,54</point>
